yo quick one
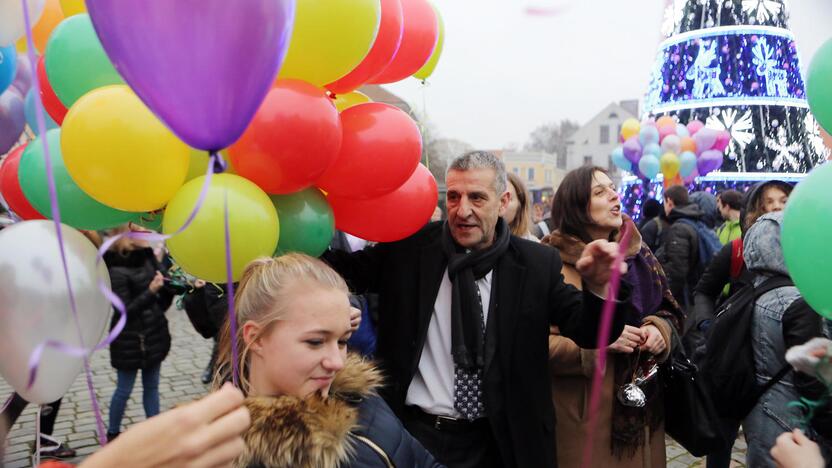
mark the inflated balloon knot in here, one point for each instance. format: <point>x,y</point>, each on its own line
<point>220,165</point>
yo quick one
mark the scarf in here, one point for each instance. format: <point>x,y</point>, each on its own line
<point>464,269</point>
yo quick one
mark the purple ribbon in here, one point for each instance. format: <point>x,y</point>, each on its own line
<point>603,341</point>
<point>232,318</point>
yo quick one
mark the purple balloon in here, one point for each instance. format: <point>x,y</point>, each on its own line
<point>632,149</point>
<point>708,161</point>
<point>23,78</point>
<point>202,66</point>
<point>705,139</point>
<point>12,119</point>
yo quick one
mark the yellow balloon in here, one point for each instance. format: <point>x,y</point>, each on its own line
<point>198,164</point>
<point>428,68</point>
<point>119,153</point>
<point>670,164</point>
<point>345,101</point>
<point>21,45</point>
<point>330,38</point>
<point>200,249</point>
<point>73,7</point>
<point>630,128</point>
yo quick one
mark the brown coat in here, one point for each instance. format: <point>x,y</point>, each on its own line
<point>572,369</point>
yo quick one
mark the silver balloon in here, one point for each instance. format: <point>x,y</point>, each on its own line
<point>35,307</point>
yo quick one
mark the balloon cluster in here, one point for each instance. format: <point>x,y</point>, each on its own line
<point>680,152</point>
<point>130,132</point>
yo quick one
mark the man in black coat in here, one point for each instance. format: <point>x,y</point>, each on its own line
<point>679,254</point>
<point>472,382</point>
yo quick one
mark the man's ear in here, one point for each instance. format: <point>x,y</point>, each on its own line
<point>505,198</point>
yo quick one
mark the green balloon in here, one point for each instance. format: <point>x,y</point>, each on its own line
<point>76,62</point>
<point>78,209</point>
<point>819,86</point>
<point>805,238</point>
<point>306,222</point>
<point>151,220</point>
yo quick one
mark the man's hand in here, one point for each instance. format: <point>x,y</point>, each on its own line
<point>205,433</point>
<point>653,340</point>
<point>629,340</point>
<point>595,265</point>
<point>795,450</point>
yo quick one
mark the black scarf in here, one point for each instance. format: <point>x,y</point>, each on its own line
<point>467,341</point>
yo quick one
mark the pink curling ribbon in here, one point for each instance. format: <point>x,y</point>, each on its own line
<point>603,341</point>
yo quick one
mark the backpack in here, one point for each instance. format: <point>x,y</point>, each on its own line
<point>709,243</point>
<point>728,360</point>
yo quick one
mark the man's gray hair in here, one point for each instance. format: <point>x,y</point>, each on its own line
<point>482,160</point>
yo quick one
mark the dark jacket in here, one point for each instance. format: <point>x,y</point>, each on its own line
<point>145,340</point>
<point>315,432</point>
<point>530,295</point>
<point>680,254</point>
<point>207,308</point>
<point>653,232</point>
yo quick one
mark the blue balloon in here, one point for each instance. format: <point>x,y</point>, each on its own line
<point>682,131</point>
<point>648,134</point>
<point>8,66</point>
<point>619,159</point>
<point>653,148</point>
<point>687,163</point>
<point>31,115</point>
<point>649,165</point>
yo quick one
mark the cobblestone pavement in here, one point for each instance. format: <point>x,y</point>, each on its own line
<point>180,382</point>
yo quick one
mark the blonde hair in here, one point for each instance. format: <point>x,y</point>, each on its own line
<point>520,224</point>
<point>261,297</point>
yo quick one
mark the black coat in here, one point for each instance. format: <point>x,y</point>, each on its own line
<point>530,296</point>
<point>207,308</point>
<point>145,340</point>
<point>679,254</point>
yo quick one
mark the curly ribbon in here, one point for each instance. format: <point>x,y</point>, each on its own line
<point>603,341</point>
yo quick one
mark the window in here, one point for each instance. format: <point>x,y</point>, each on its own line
<point>561,163</point>
<point>605,134</point>
<point>611,167</point>
<point>548,176</point>
<point>613,115</point>
<point>531,174</point>
<point>516,171</point>
<point>587,160</point>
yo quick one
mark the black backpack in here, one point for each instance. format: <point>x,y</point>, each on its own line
<point>727,364</point>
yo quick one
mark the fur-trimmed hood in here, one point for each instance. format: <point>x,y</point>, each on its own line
<point>570,247</point>
<point>313,432</point>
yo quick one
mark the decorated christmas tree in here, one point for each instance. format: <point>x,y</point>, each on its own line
<point>734,65</point>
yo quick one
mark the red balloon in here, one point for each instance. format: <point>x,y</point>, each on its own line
<point>380,150</point>
<point>294,137</point>
<point>381,55</point>
<point>421,32</point>
<point>10,187</point>
<point>413,203</point>
<point>54,107</point>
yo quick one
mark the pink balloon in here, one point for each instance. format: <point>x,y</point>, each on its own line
<point>694,126</point>
<point>705,139</point>
<point>666,130</point>
<point>723,139</point>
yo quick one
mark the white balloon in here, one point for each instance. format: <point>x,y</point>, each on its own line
<point>35,307</point>
<point>12,25</point>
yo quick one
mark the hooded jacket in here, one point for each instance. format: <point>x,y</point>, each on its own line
<point>780,321</point>
<point>680,253</point>
<point>353,427</point>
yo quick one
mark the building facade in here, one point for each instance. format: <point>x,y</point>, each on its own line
<point>538,170</point>
<point>593,143</point>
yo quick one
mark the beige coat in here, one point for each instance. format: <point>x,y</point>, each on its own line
<point>572,369</point>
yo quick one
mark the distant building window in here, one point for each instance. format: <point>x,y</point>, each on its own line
<point>612,167</point>
<point>613,115</point>
<point>605,134</point>
<point>548,176</point>
<point>531,174</point>
<point>587,160</point>
<point>516,171</point>
<point>561,163</point>
<point>619,130</point>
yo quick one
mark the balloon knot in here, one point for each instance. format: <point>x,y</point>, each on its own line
<point>220,165</point>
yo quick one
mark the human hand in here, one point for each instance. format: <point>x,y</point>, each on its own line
<point>629,340</point>
<point>811,358</point>
<point>653,340</point>
<point>156,283</point>
<point>199,283</point>
<point>355,319</point>
<point>205,433</point>
<point>595,264</point>
<point>795,450</point>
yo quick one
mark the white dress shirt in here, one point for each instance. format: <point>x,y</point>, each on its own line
<point>432,388</point>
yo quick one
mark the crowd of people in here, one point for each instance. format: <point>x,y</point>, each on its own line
<point>473,342</point>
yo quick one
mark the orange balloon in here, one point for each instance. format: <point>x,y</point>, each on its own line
<point>665,121</point>
<point>688,144</point>
<point>51,17</point>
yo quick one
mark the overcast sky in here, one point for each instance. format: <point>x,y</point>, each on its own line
<point>504,72</point>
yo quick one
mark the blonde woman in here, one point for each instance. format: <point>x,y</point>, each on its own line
<point>311,403</point>
<point>519,211</point>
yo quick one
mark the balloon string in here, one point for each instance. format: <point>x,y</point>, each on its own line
<point>55,209</point>
<point>36,456</point>
<point>232,317</point>
<point>603,341</point>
